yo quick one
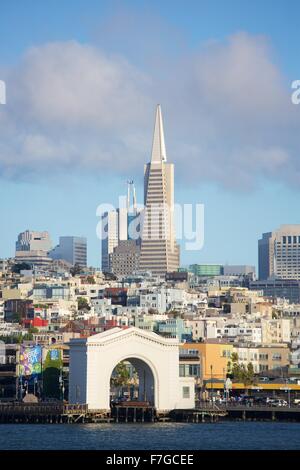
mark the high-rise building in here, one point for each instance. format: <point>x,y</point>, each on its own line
<point>279,253</point>
<point>32,248</point>
<point>124,260</point>
<point>71,249</point>
<point>159,250</point>
<point>33,241</point>
<point>114,229</point>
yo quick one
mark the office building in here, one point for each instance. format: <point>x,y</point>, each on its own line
<point>71,249</point>
<point>124,260</point>
<point>279,253</point>
<point>32,248</point>
<point>206,270</point>
<point>238,270</point>
<point>159,250</point>
<point>34,259</point>
<point>33,241</point>
<point>288,289</point>
<point>114,230</point>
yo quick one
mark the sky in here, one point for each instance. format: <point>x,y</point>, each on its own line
<point>83,78</point>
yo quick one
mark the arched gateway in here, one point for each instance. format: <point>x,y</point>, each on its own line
<point>156,360</point>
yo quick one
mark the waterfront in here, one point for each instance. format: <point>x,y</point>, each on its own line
<point>152,436</point>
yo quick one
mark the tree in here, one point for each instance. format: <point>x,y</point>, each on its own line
<point>83,304</point>
<point>16,268</point>
<point>120,376</point>
<point>76,269</point>
<point>239,372</point>
<point>91,280</point>
<point>33,330</point>
<point>51,373</point>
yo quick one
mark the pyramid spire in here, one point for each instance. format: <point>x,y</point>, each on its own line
<point>158,147</point>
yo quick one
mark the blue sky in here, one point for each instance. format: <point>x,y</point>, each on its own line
<point>83,79</point>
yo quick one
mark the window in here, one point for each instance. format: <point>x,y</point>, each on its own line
<point>189,370</point>
<point>185,392</point>
<point>276,357</point>
<point>263,357</point>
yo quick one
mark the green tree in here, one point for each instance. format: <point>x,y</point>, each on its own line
<point>240,372</point>
<point>51,373</point>
<point>33,330</point>
<point>83,304</point>
<point>120,376</point>
<point>16,268</point>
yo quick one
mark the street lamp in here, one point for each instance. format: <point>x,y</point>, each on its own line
<point>211,381</point>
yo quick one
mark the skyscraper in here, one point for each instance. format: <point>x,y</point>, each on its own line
<point>32,248</point>
<point>33,241</point>
<point>114,228</point>
<point>279,253</point>
<point>71,249</point>
<point>159,250</point>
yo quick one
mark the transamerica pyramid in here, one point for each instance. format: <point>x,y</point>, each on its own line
<point>159,250</point>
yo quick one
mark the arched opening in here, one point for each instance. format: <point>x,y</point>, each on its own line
<point>132,380</point>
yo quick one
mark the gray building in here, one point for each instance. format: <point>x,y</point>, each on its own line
<point>279,253</point>
<point>238,270</point>
<point>275,288</point>
<point>32,248</point>
<point>125,258</point>
<point>33,241</point>
<point>71,249</point>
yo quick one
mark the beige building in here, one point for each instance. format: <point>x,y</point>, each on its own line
<point>159,250</point>
<point>275,331</point>
<point>263,358</point>
<point>273,357</point>
<point>248,354</point>
<point>279,253</point>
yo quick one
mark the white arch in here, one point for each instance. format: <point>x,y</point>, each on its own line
<point>92,361</point>
<point>151,366</point>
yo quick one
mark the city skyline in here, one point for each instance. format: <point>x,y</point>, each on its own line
<point>61,157</point>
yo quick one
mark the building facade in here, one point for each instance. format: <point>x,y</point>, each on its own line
<point>159,250</point>
<point>125,258</point>
<point>114,230</point>
<point>206,269</point>
<point>279,253</point>
<point>32,248</point>
<point>33,241</point>
<point>71,249</point>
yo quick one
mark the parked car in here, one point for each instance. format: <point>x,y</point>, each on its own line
<point>279,402</point>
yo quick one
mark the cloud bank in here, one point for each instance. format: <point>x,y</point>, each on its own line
<point>76,107</point>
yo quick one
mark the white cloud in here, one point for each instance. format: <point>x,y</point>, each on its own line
<point>227,111</point>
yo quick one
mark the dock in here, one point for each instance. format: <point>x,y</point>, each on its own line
<point>135,412</point>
